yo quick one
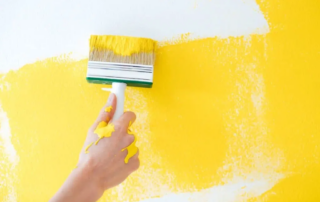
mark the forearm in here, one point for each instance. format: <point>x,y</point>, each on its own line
<point>79,187</point>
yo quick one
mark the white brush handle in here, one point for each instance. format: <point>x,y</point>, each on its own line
<point>118,89</point>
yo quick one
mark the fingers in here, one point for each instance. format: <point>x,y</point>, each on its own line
<point>106,113</point>
<point>126,119</point>
<point>126,141</point>
<point>123,155</point>
<point>134,162</point>
<point>136,156</point>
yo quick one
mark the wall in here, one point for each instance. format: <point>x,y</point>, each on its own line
<point>231,117</point>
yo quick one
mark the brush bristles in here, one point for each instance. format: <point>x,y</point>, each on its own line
<point>109,56</point>
<point>122,49</point>
<point>122,45</point>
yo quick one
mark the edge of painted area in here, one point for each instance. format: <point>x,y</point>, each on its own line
<point>202,19</point>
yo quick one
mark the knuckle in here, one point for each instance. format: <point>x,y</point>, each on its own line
<point>130,114</point>
<point>129,139</point>
<point>118,127</point>
<point>124,153</point>
<point>123,129</point>
<point>136,164</point>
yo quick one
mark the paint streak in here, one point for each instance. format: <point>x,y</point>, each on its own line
<point>132,149</point>
<point>87,147</point>
<point>108,109</point>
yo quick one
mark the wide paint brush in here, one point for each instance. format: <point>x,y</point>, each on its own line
<point>121,61</point>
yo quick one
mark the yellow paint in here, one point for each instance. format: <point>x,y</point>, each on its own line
<point>103,130</point>
<point>257,115</point>
<point>101,125</point>
<point>108,109</point>
<point>122,45</point>
<point>86,150</point>
<point>132,149</point>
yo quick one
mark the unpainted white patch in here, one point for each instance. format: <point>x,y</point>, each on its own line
<point>35,29</point>
<point>11,159</point>
<point>231,192</point>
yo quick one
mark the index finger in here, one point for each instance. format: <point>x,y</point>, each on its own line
<point>107,111</point>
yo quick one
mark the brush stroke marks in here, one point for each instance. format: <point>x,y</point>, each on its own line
<point>259,93</point>
<point>216,127</point>
<point>36,105</point>
<point>65,27</point>
<point>228,82</point>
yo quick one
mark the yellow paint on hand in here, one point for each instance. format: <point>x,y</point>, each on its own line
<point>129,130</point>
<point>86,150</point>
<point>96,142</point>
<point>101,125</point>
<point>132,149</point>
<point>122,45</point>
<point>108,109</point>
<point>104,130</point>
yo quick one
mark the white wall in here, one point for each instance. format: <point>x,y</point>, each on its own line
<point>37,29</point>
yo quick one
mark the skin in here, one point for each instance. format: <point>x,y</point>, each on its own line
<point>103,167</point>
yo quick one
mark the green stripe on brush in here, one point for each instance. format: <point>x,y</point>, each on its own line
<point>128,82</point>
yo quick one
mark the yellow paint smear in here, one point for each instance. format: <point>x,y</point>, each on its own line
<point>104,130</point>
<point>101,125</point>
<point>108,109</point>
<point>86,150</point>
<point>132,149</point>
<point>251,114</point>
<point>122,45</point>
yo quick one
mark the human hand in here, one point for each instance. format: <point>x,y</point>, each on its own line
<point>106,157</point>
<point>104,161</point>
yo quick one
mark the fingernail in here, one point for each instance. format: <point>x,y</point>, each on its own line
<point>110,99</point>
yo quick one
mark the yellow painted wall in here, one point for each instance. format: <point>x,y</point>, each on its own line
<point>221,110</point>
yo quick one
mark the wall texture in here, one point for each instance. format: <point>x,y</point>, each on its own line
<point>228,119</point>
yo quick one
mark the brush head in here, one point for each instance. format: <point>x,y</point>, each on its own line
<point>121,59</point>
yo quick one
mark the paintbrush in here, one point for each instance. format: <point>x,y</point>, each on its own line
<point>121,61</point>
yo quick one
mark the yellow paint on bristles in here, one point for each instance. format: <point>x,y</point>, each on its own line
<point>122,45</point>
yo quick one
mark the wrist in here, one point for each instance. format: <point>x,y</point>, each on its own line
<point>88,184</point>
<point>79,186</point>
